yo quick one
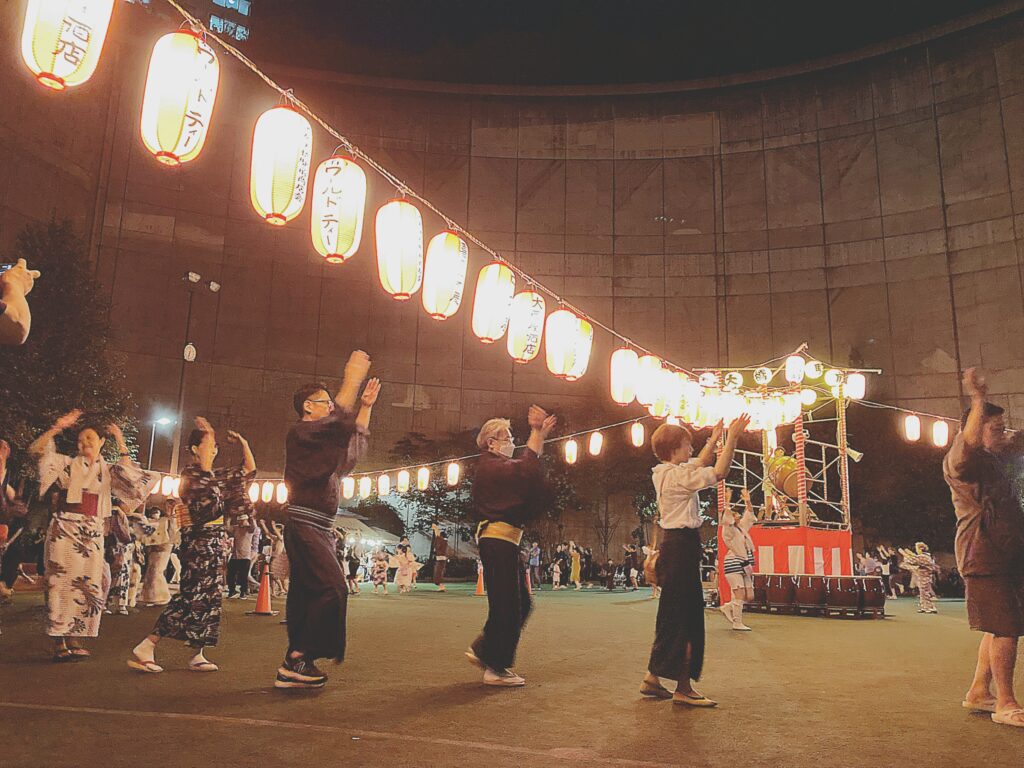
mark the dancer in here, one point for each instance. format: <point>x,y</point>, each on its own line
<point>278,558</point>
<point>556,576</point>
<point>979,470</point>
<point>324,445</point>
<point>574,571</point>
<point>924,569</point>
<point>74,541</point>
<point>158,553</point>
<point>354,560</point>
<point>505,491</point>
<point>405,566</point>
<point>738,565</point>
<point>208,496</point>
<point>678,650</point>
<point>380,571</point>
<point>440,545</point>
<point>241,532</point>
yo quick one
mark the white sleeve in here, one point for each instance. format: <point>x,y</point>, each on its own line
<point>691,477</point>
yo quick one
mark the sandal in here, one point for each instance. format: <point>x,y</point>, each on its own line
<point>658,691</point>
<point>693,700</point>
<point>1014,717</point>
<point>989,705</point>
<point>64,654</point>
<point>202,666</point>
<point>150,667</point>
<point>79,652</point>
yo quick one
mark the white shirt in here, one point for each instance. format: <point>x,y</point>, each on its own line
<point>676,486</point>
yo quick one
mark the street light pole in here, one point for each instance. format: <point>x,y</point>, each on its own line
<point>176,440</point>
<point>152,439</point>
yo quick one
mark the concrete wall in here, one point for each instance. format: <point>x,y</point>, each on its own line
<point>872,210</point>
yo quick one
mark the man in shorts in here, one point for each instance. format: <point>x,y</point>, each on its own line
<point>989,547</point>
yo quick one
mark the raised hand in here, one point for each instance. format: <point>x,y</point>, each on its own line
<point>115,432</point>
<point>548,425</point>
<point>739,424</point>
<point>234,437</point>
<point>745,494</point>
<point>535,417</point>
<point>203,425</point>
<point>358,365</point>
<point>19,277</point>
<point>68,420</point>
<point>975,383</point>
<point>370,393</point>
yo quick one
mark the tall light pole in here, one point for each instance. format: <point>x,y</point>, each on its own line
<point>163,421</point>
<point>192,281</point>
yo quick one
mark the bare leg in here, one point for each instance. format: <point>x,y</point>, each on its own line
<point>1002,659</point>
<point>981,686</point>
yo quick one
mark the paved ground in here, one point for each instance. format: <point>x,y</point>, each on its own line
<point>795,692</point>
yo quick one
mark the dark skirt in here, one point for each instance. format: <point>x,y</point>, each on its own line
<point>193,615</point>
<point>680,622</point>
<point>317,595</point>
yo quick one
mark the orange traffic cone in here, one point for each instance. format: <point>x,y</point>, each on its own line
<point>263,598</point>
<point>480,582</point>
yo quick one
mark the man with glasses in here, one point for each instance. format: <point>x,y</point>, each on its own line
<point>322,447</point>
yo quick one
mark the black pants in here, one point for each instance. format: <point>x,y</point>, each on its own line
<point>238,575</point>
<point>439,566</point>
<point>508,603</point>
<point>680,623</point>
<point>317,596</point>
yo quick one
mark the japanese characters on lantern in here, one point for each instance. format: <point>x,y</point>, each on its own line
<point>282,145</point>
<point>61,40</point>
<point>493,301</point>
<point>337,207</point>
<point>526,326</point>
<point>444,276</point>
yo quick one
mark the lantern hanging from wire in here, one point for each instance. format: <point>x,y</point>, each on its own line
<point>912,427</point>
<point>281,495</point>
<point>709,380</point>
<point>254,492</point>
<point>572,451</point>
<point>337,208</point>
<point>282,145</point>
<point>400,248</point>
<point>383,485</point>
<point>495,287</point>
<point>795,369</point>
<point>568,340</point>
<point>666,395</point>
<point>176,488</point>
<point>422,479</point>
<point>732,381</point>
<point>856,386</point>
<point>940,434</point>
<point>444,274</point>
<point>454,472</point>
<point>689,402</point>
<point>525,326</point>
<point>348,487</point>
<point>762,375</point>
<point>402,484</point>
<point>648,370</point>
<point>595,444</point>
<point>637,434</point>
<point>267,493</point>
<point>181,88</point>
<point>61,40</point>
<point>623,370</point>
<point>813,369</point>
<point>166,485</point>
<point>833,377</point>
<point>365,487</point>
<point>808,396</point>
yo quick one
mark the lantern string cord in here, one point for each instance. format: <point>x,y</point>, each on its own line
<point>405,188</point>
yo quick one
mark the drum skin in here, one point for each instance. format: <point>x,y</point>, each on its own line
<point>842,592</point>
<point>782,471</point>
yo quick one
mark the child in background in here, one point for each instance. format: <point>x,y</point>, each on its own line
<point>556,576</point>
<point>380,571</point>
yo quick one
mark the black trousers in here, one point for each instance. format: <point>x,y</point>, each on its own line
<point>238,575</point>
<point>508,603</point>
<point>439,566</point>
<point>317,596</point>
<point>680,623</point>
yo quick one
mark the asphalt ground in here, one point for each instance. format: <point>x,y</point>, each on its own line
<point>797,691</point>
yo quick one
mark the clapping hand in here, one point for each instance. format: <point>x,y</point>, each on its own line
<point>975,383</point>
<point>739,424</point>
<point>68,420</point>
<point>370,393</point>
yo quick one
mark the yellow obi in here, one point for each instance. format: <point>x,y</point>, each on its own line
<point>498,530</point>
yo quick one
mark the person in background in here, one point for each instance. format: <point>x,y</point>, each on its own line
<point>921,563</point>
<point>738,564</point>
<point>556,575</point>
<point>355,559</point>
<point>534,562</point>
<point>241,531</point>
<point>380,571</point>
<point>158,552</point>
<point>440,545</point>
<point>15,316</point>
<point>574,569</point>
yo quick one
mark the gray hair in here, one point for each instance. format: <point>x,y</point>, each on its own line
<point>491,430</point>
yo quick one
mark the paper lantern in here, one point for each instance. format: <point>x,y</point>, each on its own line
<point>856,386</point>
<point>403,481</point>
<point>176,488</point>
<point>268,492</point>
<point>282,493</point>
<point>708,379</point>
<point>808,397</point>
<point>383,485</point>
<point>940,434</point>
<point>636,434</point>
<point>795,369</point>
<point>595,444</point>
<point>525,326</point>
<point>762,375</point>
<point>282,144</point>
<point>494,290</point>
<point>348,487</point>
<point>181,88</point>
<point>423,478</point>
<point>689,403</point>
<point>444,276</point>
<point>733,380</point>
<point>61,40</point>
<point>624,368</point>
<point>365,487</point>
<point>254,492</point>
<point>336,208</point>
<point>833,377</point>
<point>568,339</point>
<point>572,451</point>
<point>667,394</point>
<point>912,428</point>
<point>453,473</point>
<point>648,369</point>
<point>813,369</point>
<point>400,248</point>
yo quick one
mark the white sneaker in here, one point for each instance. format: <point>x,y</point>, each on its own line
<point>506,678</point>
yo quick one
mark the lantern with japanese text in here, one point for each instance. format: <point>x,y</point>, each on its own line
<point>525,326</point>
<point>444,276</point>
<point>568,339</point>
<point>61,40</point>
<point>495,288</point>
<point>181,88</point>
<point>282,144</point>
<point>400,248</point>
<point>624,366</point>
<point>339,198</point>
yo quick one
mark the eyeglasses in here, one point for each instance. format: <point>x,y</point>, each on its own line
<point>330,403</point>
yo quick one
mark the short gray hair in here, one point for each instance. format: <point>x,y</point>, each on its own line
<point>490,430</point>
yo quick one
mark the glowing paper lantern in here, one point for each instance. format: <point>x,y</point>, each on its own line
<point>791,405</point>
<point>61,40</point>
<point>403,481</point>
<point>795,369</point>
<point>689,403</point>
<point>733,380</point>
<point>166,485</point>
<point>365,487</point>
<point>856,386</point>
<point>423,478</point>
<point>282,493</point>
<point>572,451</point>
<point>400,248</point>
<point>348,487</point>
<point>762,376</point>
<point>596,444</point>
<point>940,434</point>
<point>336,209</point>
<point>282,144</point>
<point>648,370</point>
<point>495,287</point>
<point>912,428</point>
<point>636,434</point>
<point>181,88</point>
<point>624,368</point>
<point>176,488</point>
<point>454,472</point>
<point>568,339</point>
<point>813,369</point>
<point>667,394</point>
<point>383,485</point>
<point>808,397</point>
<point>254,492</point>
<point>525,326</point>
<point>268,492</point>
<point>833,377</point>
<point>444,276</point>
<point>708,379</point>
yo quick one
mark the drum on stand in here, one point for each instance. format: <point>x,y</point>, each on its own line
<point>760,601</point>
<point>781,592</point>
<point>810,592</point>
<point>782,472</point>
<point>843,594</point>
<point>872,596</point>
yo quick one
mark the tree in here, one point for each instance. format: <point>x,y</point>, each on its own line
<point>68,361</point>
<point>380,514</point>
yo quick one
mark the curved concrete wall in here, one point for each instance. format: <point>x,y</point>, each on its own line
<point>870,209</point>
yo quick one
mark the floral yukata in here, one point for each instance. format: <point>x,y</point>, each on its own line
<point>193,614</point>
